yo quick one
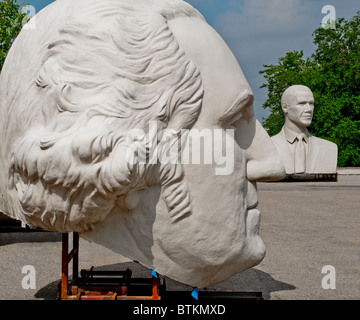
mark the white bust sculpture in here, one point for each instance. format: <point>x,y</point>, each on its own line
<point>80,98</point>
<point>299,150</point>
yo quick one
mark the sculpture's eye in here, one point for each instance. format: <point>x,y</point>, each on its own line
<point>240,108</point>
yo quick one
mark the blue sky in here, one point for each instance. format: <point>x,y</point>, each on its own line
<point>261,31</point>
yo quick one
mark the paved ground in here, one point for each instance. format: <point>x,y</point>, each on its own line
<point>305,227</point>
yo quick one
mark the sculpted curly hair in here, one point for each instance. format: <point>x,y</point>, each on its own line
<point>113,66</point>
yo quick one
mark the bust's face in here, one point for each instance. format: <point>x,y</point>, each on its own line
<point>300,108</point>
<point>222,233</point>
<point>220,238</point>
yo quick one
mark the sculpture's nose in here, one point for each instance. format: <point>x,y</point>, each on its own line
<point>263,161</point>
<point>251,196</point>
<point>308,108</point>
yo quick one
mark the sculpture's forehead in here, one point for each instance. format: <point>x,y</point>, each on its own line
<point>296,91</point>
<point>224,81</point>
<point>302,95</point>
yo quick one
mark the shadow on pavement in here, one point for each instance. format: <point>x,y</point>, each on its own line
<point>252,280</point>
<point>21,236</point>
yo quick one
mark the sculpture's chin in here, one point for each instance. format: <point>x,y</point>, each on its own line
<point>210,268</point>
<point>206,275</point>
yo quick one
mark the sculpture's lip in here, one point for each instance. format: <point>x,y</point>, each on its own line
<point>252,206</point>
<point>254,210</point>
<point>307,116</point>
<point>253,221</point>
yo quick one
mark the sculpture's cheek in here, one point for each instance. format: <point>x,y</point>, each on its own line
<point>219,235</point>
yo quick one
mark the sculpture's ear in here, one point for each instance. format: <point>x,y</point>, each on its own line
<point>284,107</point>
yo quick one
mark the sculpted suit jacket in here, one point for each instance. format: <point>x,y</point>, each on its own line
<point>321,154</point>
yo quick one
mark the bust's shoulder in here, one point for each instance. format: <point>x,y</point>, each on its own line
<point>278,137</point>
<point>324,143</point>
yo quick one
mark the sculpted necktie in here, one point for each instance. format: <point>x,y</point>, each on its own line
<point>300,154</point>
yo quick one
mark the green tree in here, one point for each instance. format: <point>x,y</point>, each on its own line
<point>333,74</point>
<point>11,20</point>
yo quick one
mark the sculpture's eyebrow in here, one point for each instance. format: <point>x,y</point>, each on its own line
<point>305,100</point>
<point>233,113</point>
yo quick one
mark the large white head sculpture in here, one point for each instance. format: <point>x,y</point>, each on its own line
<point>95,89</point>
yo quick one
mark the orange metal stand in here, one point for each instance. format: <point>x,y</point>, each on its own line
<point>102,285</point>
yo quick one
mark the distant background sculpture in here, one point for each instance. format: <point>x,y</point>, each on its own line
<point>299,150</point>
<point>76,95</point>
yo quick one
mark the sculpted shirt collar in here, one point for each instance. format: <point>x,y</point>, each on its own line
<point>291,135</point>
